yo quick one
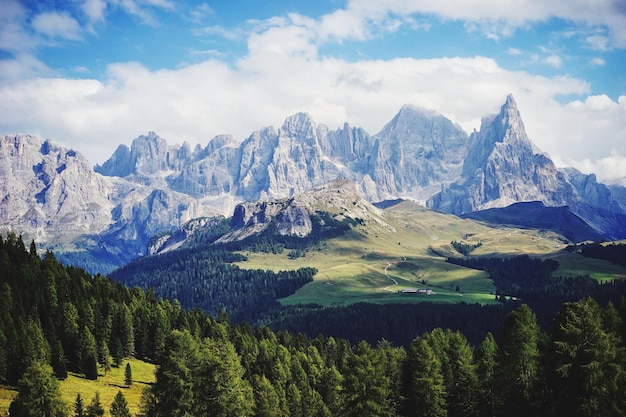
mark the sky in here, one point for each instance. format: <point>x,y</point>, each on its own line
<point>93,74</point>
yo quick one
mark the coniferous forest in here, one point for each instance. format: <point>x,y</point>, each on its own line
<point>55,319</point>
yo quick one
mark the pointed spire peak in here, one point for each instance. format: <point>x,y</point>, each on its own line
<point>510,101</point>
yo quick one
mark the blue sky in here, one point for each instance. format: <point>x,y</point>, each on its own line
<point>96,73</point>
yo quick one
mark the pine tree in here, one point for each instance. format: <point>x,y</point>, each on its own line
<point>38,393</point>
<point>365,384</point>
<point>95,409</point>
<point>128,375</point>
<point>485,359</point>
<point>119,406</point>
<point>518,363</point>
<point>219,382</point>
<point>586,361</point>
<point>79,406</point>
<point>424,383</point>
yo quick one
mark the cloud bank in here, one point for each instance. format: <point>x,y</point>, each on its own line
<point>283,72</point>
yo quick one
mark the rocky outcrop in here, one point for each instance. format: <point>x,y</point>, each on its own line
<point>293,216</point>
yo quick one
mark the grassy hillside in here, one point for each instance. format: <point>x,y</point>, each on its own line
<point>106,385</point>
<point>404,247</point>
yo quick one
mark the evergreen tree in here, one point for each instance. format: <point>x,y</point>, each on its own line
<point>172,395</point>
<point>425,392</point>
<point>89,354</point>
<point>128,375</point>
<point>267,403</point>
<point>219,383</point>
<point>586,363</point>
<point>104,357</point>
<point>79,407</point>
<point>365,386</point>
<point>518,363</point>
<point>38,393</point>
<point>485,359</point>
<point>119,406</point>
<point>95,409</point>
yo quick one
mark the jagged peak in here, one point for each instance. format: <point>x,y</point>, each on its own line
<point>297,123</point>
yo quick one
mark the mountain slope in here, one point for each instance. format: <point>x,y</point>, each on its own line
<point>536,215</point>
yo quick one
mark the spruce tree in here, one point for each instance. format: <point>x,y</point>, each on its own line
<point>79,406</point>
<point>128,375</point>
<point>95,409</point>
<point>485,359</point>
<point>586,362</point>
<point>518,363</point>
<point>425,389</point>
<point>119,406</point>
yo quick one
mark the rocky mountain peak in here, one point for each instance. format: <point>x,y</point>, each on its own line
<point>299,125</point>
<point>503,167</point>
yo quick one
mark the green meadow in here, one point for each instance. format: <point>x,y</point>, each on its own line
<point>107,385</point>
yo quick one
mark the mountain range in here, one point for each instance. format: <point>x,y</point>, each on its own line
<point>53,195</point>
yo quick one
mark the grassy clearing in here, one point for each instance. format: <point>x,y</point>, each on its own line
<point>106,385</point>
<point>7,394</point>
<point>573,264</point>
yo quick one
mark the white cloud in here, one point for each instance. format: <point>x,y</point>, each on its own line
<point>199,101</point>
<point>598,62</point>
<point>55,24</point>
<point>582,133</point>
<point>200,12</point>
<point>283,73</point>
<point>94,9</point>
<point>553,60</point>
<point>498,18</point>
<point>22,65</point>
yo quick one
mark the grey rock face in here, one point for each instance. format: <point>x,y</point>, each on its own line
<point>594,193</point>
<point>215,173</point>
<point>503,167</point>
<point>51,194</point>
<point>47,190</point>
<point>414,153</point>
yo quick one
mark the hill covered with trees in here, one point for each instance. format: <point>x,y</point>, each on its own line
<point>55,318</point>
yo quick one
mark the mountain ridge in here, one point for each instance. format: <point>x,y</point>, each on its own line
<point>51,193</point>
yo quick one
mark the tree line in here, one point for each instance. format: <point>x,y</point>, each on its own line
<point>205,278</point>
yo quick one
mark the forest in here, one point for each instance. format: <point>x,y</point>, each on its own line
<point>55,319</point>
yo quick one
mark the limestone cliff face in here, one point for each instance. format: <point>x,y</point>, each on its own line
<point>503,167</point>
<point>415,152</point>
<point>410,157</point>
<point>47,190</point>
<point>52,194</point>
<point>594,193</point>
